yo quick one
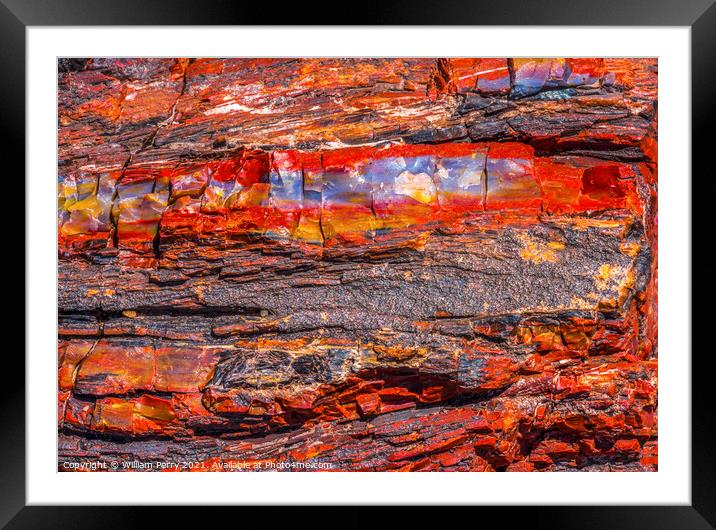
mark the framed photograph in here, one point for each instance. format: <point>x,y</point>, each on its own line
<point>441,257</point>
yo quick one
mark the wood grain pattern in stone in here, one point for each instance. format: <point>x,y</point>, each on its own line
<point>358,264</point>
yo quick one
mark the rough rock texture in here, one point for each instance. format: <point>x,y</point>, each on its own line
<point>357,264</point>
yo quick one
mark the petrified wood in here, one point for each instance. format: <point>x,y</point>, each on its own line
<point>358,264</point>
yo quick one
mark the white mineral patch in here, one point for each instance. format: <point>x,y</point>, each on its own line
<point>419,186</point>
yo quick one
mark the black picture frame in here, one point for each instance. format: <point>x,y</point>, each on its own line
<point>700,15</point>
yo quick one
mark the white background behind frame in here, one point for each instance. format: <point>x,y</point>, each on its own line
<point>670,485</point>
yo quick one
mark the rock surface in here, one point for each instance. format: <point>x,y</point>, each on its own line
<point>357,264</point>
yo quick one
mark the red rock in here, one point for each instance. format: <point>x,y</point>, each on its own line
<point>72,355</point>
<point>627,446</point>
<point>115,369</point>
<point>368,403</point>
<point>367,264</point>
<point>183,369</point>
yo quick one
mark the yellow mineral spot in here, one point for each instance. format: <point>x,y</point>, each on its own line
<point>583,223</point>
<point>626,285</point>
<point>199,291</point>
<point>92,292</point>
<point>129,314</point>
<point>538,251</point>
<point>630,249</point>
<point>609,276</point>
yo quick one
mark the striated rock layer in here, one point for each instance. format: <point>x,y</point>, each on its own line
<point>357,264</point>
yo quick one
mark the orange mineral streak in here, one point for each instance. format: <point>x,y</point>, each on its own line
<point>345,196</point>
